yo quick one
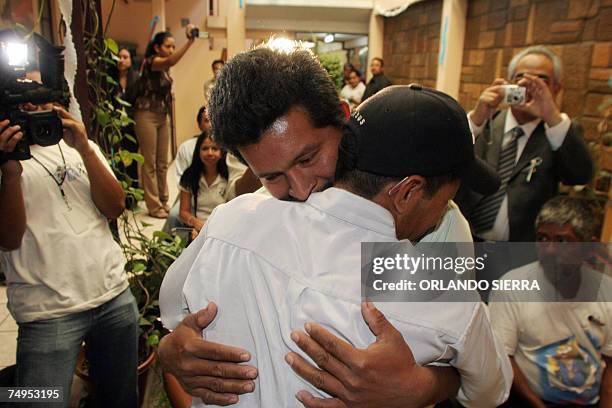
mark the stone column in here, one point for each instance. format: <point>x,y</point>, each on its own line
<point>450,53</point>
<point>376,36</point>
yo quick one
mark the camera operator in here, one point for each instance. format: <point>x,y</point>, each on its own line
<point>65,273</point>
<point>532,145</point>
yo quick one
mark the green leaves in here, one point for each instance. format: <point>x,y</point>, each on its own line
<point>111,80</point>
<point>153,340</point>
<point>122,102</point>
<point>138,267</point>
<point>112,45</point>
<point>126,158</point>
<point>147,259</point>
<point>137,193</point>
<point>333,66</point>
<point>102,116</point>
<point>162,235</point>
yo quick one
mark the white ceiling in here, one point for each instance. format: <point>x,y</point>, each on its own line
<point>281,16</point>
<point>321,36</point>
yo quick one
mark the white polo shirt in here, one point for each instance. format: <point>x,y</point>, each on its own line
<point>210,196</point>
<point>273,265</point>
<point>184,156</point>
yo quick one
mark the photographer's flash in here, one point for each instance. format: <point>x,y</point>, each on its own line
<point>16,53</point>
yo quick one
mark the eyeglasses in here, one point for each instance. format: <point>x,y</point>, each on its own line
<point>521,75</point>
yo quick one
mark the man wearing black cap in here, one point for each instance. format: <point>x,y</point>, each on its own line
<point>273,266</point>
<point>286,122</point>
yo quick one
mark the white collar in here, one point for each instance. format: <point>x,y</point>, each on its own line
<point>355,210</point>
<point>511,123</point>
<point>217,180</point>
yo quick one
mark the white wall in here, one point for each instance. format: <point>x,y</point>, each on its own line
<point>130,23</point>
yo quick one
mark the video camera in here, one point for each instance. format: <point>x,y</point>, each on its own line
<point>42,128</point>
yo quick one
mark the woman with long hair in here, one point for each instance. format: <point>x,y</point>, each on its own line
<point>127,78</point>
<point>204,185</point>
<point>152,107</point>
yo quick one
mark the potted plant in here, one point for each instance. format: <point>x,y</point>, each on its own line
<point>147,262</point>
<point>147,259</point>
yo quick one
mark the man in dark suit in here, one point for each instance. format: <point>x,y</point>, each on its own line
<point>378,81</point>
<point>532,145</point>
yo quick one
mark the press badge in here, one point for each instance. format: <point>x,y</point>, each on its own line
<point>77,219</point>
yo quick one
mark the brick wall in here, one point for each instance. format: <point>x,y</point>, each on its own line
<point>579,31</point>
<point>411,42</point>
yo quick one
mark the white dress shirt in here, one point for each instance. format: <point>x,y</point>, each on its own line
<point>555,135</point>
<point>452,228</point>
<point>273,265</point>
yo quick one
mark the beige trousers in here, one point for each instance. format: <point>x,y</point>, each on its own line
<point>154,139</point>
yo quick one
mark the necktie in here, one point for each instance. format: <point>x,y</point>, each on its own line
<point>487,209</point>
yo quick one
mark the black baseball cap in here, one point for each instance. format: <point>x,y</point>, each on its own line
<point>412,130</point>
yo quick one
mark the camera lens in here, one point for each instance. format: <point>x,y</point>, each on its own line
<point>45,128</point>
<point>40,131</point>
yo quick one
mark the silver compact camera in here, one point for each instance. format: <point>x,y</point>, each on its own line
<point>514,95</point>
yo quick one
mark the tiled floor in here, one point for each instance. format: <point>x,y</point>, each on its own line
<point>8,333</point>
<point>8,327</point>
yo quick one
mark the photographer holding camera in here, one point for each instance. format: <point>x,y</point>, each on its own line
<point>65,272</point>
<point>532,145</point>
<point>152,107</point>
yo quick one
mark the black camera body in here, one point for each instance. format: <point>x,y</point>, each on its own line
<point>42,128</point>
<point>196,33</point>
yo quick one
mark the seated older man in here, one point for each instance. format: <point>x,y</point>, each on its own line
<point>560,351</point>
<point>402,158</point>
